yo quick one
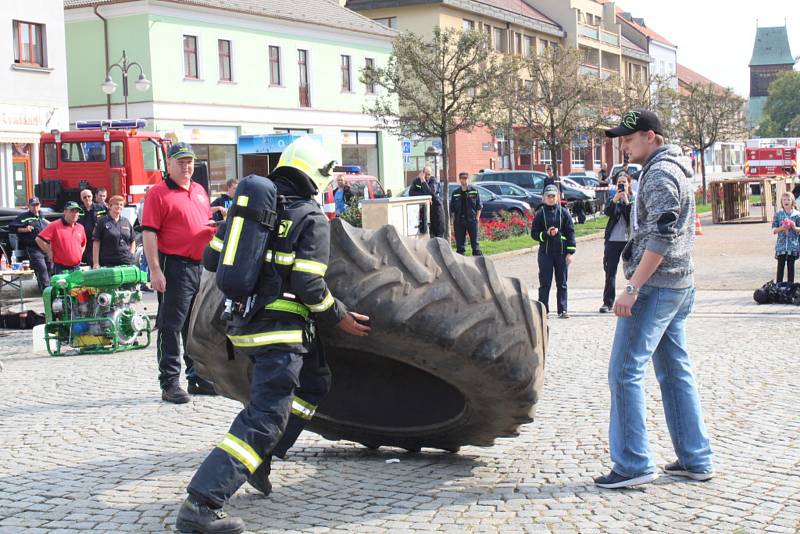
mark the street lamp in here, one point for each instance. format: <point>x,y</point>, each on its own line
<point>142,83</point>
<point>433,152</point>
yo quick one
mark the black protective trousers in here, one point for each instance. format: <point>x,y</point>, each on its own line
<point>174,307</point>
<point>41,265</point>
<point>462,228</point>
<point>268,426</point>
<point>550,264</point>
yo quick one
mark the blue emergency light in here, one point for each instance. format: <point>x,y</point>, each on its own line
<point>119,124</point>
<point>348,169</point>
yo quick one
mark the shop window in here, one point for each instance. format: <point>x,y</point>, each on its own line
<point>221,161</point>
<point>50,156</point>
<point>190,56</point>
<point>361,148</point>
<point>29,44</point>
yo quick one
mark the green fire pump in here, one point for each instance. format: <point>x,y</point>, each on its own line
<point>94,311</point>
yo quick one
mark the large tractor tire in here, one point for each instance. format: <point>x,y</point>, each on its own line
<point>455,356</point>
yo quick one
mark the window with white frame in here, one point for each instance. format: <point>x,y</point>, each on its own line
<point>275,65</point>
<point>598,152</point>
<point>347,82</point>
<point>501,40</point>
<point>369,68</point>
<point>529,46</point>
<point>190,56</point>
<point>545,154</point>
<point>225,67</point>
<point>29,44</point>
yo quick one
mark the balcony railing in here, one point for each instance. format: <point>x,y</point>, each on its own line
<point>609,38</point>
<point>588,31</point>
<point>590,70</point>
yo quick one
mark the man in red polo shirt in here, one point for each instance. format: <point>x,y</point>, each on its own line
<point>176,224</point>
<point>64,240</point>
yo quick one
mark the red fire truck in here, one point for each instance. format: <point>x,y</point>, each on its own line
<point>116,155</point>
<point>771,161</point>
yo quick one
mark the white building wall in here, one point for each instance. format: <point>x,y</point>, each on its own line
<point>665,61</point>
<point>32,99</point>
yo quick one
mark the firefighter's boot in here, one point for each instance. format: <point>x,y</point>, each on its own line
<point>198,517</point>
<point>260,478</point>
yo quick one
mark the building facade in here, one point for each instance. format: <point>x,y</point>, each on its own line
<point>235,79</point>
<point>33,91</point>
<point>771,56</point>
<point>512,26</point>
<point>663,53</point>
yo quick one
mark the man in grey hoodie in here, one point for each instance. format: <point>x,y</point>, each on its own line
<point>652,312</point>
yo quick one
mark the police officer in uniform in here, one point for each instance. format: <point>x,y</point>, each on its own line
<point>289,376</point>
<point>27,226</point>
<point>466,205</point>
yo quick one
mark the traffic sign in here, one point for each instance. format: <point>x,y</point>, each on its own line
<point>406,147</point>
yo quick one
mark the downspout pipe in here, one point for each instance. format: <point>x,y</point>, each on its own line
<point>105,48</point>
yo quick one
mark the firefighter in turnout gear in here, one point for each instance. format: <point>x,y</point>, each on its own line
<point>289,375</point>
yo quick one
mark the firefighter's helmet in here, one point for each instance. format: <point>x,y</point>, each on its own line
<point>309,157</point>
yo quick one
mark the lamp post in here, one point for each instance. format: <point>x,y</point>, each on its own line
<point>142,83</point>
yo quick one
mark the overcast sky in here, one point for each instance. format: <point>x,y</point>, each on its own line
<point>715,37</point>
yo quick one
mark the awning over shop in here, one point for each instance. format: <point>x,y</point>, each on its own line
<point>268,143</point>
<point>18,137</point>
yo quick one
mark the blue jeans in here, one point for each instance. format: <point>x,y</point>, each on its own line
<point>655,329</point>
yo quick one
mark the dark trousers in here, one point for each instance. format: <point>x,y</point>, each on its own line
<point>579,213</point>
<point>462,228</point>
<point>550,264</point>
<point>787,260</point>
<point>41,265</point>
<point>58,268</point>
<point>611,255</point>
<point>268,425</point>
<point>437,220</point>
<point>174,307</point>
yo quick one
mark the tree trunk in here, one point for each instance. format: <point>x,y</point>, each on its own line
<point>703,172</point>
<point>446,188</point>
<point>510,136</point>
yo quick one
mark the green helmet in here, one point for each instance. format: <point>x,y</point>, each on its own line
<point>309,157</point>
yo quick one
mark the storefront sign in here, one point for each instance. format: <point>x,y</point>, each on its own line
<point>210,135</point>
<point>268,144</point>
<point>33,119</point>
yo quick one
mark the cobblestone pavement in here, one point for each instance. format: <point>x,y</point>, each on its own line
<point>87,446</point>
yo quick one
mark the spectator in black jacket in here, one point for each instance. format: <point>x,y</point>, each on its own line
<point>618,229</point>
<point>222,204</point>
<point>555,232</point>
<point>91,212</point>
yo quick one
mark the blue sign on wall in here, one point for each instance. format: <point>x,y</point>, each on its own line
<point>406,147</point>
<point>268,143</point>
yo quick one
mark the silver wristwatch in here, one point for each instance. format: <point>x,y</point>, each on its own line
<point>631,289</point>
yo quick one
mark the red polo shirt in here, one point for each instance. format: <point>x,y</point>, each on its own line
<point>67,242</point>
<point>180,218</point>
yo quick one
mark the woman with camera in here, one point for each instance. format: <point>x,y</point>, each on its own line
<point>617,232</point>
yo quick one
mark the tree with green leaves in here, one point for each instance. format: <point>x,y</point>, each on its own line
<point>556,103</point>
<point>708,114</point>
<point>434,88</point>
<point>653,92</point>
<point>782,107</point>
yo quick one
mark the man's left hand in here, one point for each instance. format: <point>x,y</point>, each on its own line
<point>623,304</point>
<point>569,259</point>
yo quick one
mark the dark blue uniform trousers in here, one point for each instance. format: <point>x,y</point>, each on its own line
<point>41,265</point>
<point>267,426</point>
<point>462,228</point>
<point>549,264</point>
<point>174,307</point>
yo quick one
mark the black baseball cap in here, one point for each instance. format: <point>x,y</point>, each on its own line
<point>72,205</point>
<point>637,120</point>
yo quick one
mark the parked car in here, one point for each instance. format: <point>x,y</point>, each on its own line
<point>533,181</point>
<point>587,174</point>
<point>492,204</point>
<point>582,180</point>
<point>362,186</point>
<point>509,190</point>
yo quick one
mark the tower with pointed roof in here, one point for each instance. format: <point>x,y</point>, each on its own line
<point>771,56</point>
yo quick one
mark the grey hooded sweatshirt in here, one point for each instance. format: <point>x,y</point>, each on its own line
<point>665,220</point>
